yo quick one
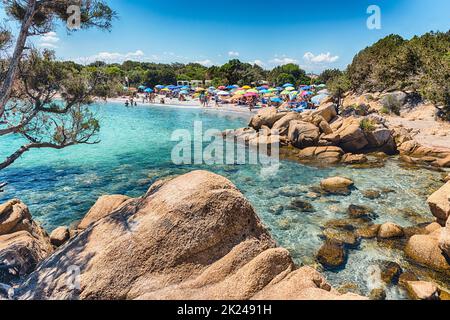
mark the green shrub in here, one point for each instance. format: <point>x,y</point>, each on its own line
<point>392,105</point>
<point>367,125</point>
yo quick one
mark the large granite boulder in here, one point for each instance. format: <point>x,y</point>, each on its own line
<point>444,240</point>
<point>192,237</point>
<point>104,206</point>
<point>324,155</point>
<point>439,203</point>
<point>425,250</point>
<point>327,110</point>
<point>23,243</point>
<point>352,136</point>
<point>282,125</point>
<point>303,134</point>
<point>265,117</point>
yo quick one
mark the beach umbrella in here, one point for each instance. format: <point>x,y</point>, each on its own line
<point>148,90</point>
<point>199,89</point>
<point>250,94</point>
<point>276,100</point>
<point>306,87</point>
<point>324,91</point>
<point>288,85</point>
<point>171,87</point>
<point>269,94</point>
<point>289,89</point>
<point>141,87</point>
<point>159,86</point>
<point>240,92</point>
<point>246,87</point>
<point>222,88</point>
<point>319,98</point>
<point>184,92</point>
<point>185,87</point>
<point>264,91</point>
<point>252,91</point>
<point>223,93</point>
<point>322,86</point>
<point>165,89</point>
<point>285,92</point>
<point>306,93</point>
<point>279,88</point>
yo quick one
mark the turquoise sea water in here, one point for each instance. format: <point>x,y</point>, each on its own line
<point>135,151</point>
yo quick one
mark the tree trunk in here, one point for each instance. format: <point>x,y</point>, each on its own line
<point>6,86</point>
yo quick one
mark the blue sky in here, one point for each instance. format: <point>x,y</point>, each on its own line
<point>314,34</point>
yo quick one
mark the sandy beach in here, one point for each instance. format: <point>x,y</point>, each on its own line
<point>193,104</point>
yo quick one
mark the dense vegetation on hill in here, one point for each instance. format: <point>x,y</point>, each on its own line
<point>232,72</point>
<point>421,64</point>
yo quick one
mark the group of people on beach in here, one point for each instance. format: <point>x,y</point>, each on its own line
<point>285,100</point>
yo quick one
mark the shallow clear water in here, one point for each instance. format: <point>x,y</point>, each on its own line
<point>135,150</point>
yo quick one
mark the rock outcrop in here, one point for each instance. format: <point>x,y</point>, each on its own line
<point>337,185</point>
<point>193,237</point>
<point>23,243</point>
<point>439,203</point>
<point>104,206</point>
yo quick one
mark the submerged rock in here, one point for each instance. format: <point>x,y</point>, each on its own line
<point>371,194</point>
<point>340,236</point>
<point>390,272</point>
<point>332,255</point>
<point>302,205</point>
<point>356,211</point>
<point>390,230</point>
<point>378,294</point>
<point>337,185</point>
<point>368,232</point>
<point>194,237</point>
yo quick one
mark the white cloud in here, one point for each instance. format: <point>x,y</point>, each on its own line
<point>49,40</point>
<point>114,57</point>
<point>233,54</point>
<point>206,62</point>
<point>283,60</point>
<point>320,58</point>
<point>258,62</point>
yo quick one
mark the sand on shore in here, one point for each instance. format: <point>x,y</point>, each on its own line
<point>192,104</point>
<point>427,130</point>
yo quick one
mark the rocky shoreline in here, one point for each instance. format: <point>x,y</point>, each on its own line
<point>197,237</point>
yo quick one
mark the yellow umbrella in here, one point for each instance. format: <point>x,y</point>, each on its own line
<point>165,89</point>
<point>246,87</point>
<point>199,90</point>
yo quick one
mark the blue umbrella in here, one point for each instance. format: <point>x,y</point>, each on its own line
<point>276,100</point>
<point>184,92</point>
<point>171,87</point>
<point>306,88</point>
<point>141,87</point>
<point>319,98</point>
<point>159,86</point>
<point>280,89</point>
<point>288,85</point>
<point>148,90</point>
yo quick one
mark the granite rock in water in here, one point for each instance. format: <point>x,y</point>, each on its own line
<point>193,237</point>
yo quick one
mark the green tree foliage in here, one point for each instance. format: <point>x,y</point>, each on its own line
<point>421,64</point>
<point>288,73</point>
